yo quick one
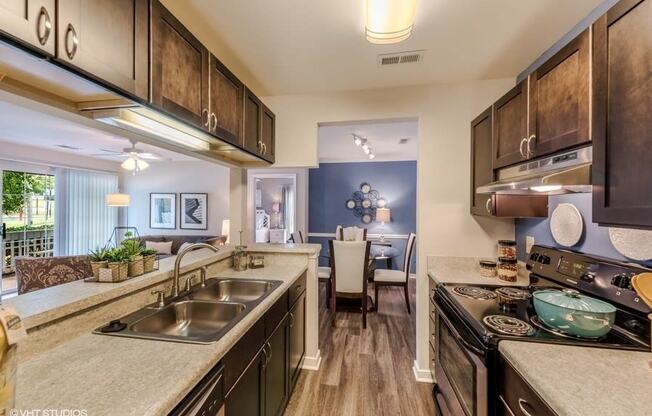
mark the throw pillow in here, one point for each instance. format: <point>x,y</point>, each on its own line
<point>162,248</point>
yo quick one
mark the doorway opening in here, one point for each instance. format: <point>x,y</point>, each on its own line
<point>274,206</point>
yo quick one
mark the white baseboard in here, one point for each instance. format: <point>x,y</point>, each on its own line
<point>421,375</point>
<point>312,363</point>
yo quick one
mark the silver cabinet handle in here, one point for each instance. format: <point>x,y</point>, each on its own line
<point>266,357</point>
<point>270,351</point>
<point>264,149</point>
<point>260,146</point>
<point>521,405</point>
<point>204,112</point>
<point>488,206</point>
<point>213,122</point>
<point>520,148</point>
<point>71,41</point>
<point>530,151</point>
<point>43,26</point>
<point>291,320</point>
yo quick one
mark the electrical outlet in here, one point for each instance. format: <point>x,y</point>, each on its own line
<point>529,242</point>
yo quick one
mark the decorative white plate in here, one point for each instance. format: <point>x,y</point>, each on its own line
<point>566,225</point>
<point>633,244</point>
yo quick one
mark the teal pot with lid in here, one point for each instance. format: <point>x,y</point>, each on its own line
<point>573,313</point>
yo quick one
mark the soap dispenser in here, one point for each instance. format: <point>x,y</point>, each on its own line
<point>240,256</point>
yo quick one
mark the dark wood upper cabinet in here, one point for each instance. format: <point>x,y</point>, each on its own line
<point>482,171</point>
<point>268,134</point>
<point>622,126</point>
<point>226,103</point>
<point>510,127</point>
<point>31,22</point>
<point>259,126</point>
<point>108,40</point>
<point>180,82</point>
<point>559,100</point>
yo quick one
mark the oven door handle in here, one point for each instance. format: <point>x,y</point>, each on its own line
<point>459,338</point>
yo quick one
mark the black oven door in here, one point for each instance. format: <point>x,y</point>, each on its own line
<point>460,370</point>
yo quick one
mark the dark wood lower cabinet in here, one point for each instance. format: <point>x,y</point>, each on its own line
<point>276,370</point>
<point>297,338</point>
<point>246,397</point>
<point>261,369</point>
<point>516,397</point>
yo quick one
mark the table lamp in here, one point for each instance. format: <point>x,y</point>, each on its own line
<point>383,215</point>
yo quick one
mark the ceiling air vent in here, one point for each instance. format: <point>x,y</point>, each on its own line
<point>411,57</point>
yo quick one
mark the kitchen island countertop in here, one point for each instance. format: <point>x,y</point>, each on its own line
<point>107,375</point>
<point>583,381</point>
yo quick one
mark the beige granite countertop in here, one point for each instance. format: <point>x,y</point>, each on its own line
<point>578,381</point>
<point>122,376</point>
<point>46,305</point>
<point>466,270</point>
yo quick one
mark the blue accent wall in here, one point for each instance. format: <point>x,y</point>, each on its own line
<point>332,184</point>
<point>595,239</point>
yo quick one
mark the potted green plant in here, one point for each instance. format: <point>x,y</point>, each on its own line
<point>118,264</point>
<point>149,259</point>
<point>133,251</point>
<point>99,260</point>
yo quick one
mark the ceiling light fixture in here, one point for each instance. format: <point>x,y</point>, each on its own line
<point>372,156</point>
<point>357,140</point>
<point>134,163</point>
<point>389,21</point>
<point>367,150</point>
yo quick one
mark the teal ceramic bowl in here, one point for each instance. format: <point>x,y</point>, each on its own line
<point>574,314</point>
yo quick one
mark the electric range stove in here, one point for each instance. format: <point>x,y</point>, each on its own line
<point>473,319</point>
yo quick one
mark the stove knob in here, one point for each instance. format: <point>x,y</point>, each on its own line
<point>588,277</point>
<point>622,281</point>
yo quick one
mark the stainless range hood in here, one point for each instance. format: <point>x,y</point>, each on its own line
<point>568,172</point>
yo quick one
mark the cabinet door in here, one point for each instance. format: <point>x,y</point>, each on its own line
<point>179,69</point>
<point>276,371</point>
<point>253,109</point>
<point>297,337</point>
<point>107,39</point>
<point>227,93</point>
<point>268,134</point>
<point>30,22</point>
<point>559,100</point>
<point>482,171</point>
<point>246,397</point>
<point>510,127</point>
<point>622,126</point>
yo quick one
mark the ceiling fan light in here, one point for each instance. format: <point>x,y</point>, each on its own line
<point>357,140</point>
<point>372,156</point>
<point>129,164</point>
<point>141,164</point>
<point>389,21</point>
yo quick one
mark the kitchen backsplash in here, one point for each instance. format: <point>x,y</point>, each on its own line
<point>595,239</point>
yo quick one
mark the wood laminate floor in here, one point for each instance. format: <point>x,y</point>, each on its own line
<point>365,372</point>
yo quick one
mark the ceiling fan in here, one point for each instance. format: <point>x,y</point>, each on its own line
<point>136,160</point>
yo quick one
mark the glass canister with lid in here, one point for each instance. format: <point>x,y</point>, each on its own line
<point>488,268</point>
<point>507,249</point>
<point>507,269</point>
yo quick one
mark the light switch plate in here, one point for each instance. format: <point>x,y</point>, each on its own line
<point>529,242</point>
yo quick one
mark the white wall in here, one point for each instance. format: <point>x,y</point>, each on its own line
<point>444,224</point>
<point>178,177</point>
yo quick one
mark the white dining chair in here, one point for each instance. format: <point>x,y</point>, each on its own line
<point>353,234</point>
<point>324,272</point>
<point>350,268</point>
<point>385,277</point>
<point>297,237</point>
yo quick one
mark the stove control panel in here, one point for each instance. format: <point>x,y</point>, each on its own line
<point>600,277</point>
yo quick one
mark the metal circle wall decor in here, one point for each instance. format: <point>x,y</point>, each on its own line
<point>364,203</point>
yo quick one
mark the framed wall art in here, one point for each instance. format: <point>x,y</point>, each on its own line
<point>163,211</point>
<point>194,211</point>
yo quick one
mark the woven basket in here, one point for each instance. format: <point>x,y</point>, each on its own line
<point>96,266</point>
<point>120,271</point>
<point>149,262</point>
<point>136,266</point>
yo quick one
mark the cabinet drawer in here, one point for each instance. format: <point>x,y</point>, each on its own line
<point>517,397</point>
<point>238,357</point>
<point>275,314</point>
<point>296,290</point>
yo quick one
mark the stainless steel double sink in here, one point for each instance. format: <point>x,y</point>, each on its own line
<point>201,316</point>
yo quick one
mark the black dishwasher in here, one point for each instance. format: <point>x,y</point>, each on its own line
<point>207,398</point>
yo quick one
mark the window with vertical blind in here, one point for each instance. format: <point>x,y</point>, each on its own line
<point>84,222</point>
